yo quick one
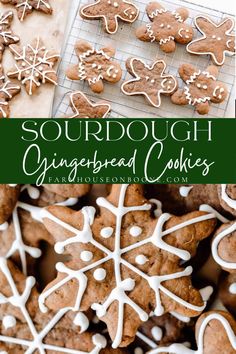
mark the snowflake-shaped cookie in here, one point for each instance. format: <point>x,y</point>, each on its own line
<point>125,263</point>
<point>25,330</point>
<point>7,37</point>
<point>201,88</point>
<point>95,66</point>
<point>217,39</point>
<point>166,28</point>
<point>82,107</point>
<point>110,11</point>
<point>34,65</point>
<point>8,91</point>
<point>26,7</point>
<point>150,81</point>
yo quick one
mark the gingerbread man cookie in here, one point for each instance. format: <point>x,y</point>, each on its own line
<point>34,65</point>
<point>110,11</point>
<point>150,81</point>
<point>7,37</point>
<point>95,66</point>
<point>227,197</point>
<point>82,107</point>
<point>8,91</point>
<point>217,39</point>
<point>26,7</point>
<point>166,28</point>
<point>120,254</point>
<point>201,88</point>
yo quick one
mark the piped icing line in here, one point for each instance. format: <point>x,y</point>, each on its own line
<point>20,302</point>
<point>94,105</point>
<point>232,289</point>
<point>166,40</point>
<point>193,101</point>
<point>181,349</point>
<point>118,293</point>
<point>229,201</point>
<point>150,32</point>
<point>185,190</point>
<point>129,18</point>
<point>177,16</point>
<point>204,37</point>
<point>209,209</point>
<point>7,34</point>
<point>157,12</point>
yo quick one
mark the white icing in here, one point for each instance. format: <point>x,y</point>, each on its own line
<point>206,292</point>
<point>8,321</point>
<point>6,33</point>
<point>135,231</point>
<point>208,209</point>
<point>184,191</point>
<point>138,350</point>
<point>12,185</point>
<point>157,333</point>
<point>107,232</point>
<point>232,289</point>
<point>158,210</point>
<point>4,226</point>
<point>82,321</point>
<point>141,259</point>
<point>33,192</point>
<point>166,40</point>
<point>86,256</point>
<point>5,91</point>
<point>100,274</point>
<point>231,202</point>
<point>180,317</point>
<point>146,340</point>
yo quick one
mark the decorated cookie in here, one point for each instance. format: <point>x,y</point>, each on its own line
<point>227,196</point>
<point>8,198</point>
<point>121,254</point>
<point>82,107</point>
<point>8,91</point>
<point>26,7</point>
<point>217,39</point>
<point>166,27</point>
<point>69,190</point>
<point>34,65</point>
<point>7,37</point>
<point>227,292</point>
<point>149,81</point>
<point>201,88</point>
<point>110,11</point>
<point>95,66</point>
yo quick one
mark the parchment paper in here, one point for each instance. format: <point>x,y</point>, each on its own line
<point>51,30</point>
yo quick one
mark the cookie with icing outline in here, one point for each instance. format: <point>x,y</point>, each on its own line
<point>118,254</point>
<point>7,37</point>
<point>227,197</point>
<point>8,90</point>
<point>110,11</point>
<point>201,88</point>
<point>95,66</point>
<point>26,7</point>
<point>216,40</point>
<point>166,27</point>
<point>149,81</point>
<point>34,65</point>
<point>82,107</point>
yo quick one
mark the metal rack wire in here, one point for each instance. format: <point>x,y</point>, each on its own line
<point>128,45</point>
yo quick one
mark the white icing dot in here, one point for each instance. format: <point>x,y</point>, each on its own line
<point>4,226</point>
<point>168,26</point>
<point>214,36</point>
<point>204,87</point>
<point>147,78</point>
<point>141,259</point>
<point>116,4</point>
<point>152,81</point>
<point>114,76</point>
<point>99,67</point>
<point>8,321</point>
<point>138,350</point>
<point>199,85</point>
<point>81,320</point>
<point>218,38</point>
<point>184,191</point>
<point>162,25</point>
<point>86,256</point>
<point>157,333</point>
<point>100,274</point>
<point>106,232</point>
<point>135,231</point>
<point>23,64</point>
<point>187,31</point>
<point>232,288</point>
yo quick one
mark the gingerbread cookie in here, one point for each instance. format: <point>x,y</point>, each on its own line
<point>227,292</point>
<point>82,107</point>
<point>95,66</point>
<point>123,253</point>
<point>227,196</point>
<point>69,190</point>
<point>26,7</point>
<point>8,91</point>
<point>166,28</point>
<point>149,81</point>
<point>217,39</point>
<point>7,37</point>
<point>110,11</point>
<point>8,198</point>
<point>201,88</point>
<point>34,65</point>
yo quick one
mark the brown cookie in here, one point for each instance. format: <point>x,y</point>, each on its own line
<point>95,66</point>
<point>125,263</point>
<point>69,190</point>
<point>26,7</point>
<point>201,88</point>
<point>227,196</point>
<point>217,39</point>
<point>8,198</point>
<point>166,27</point>
<point>8,91</point>
<point>149,81</point>
<point>34,65</point>
<point>227,292</point>
<point>7,37</point>
<point>110,11</point>
<point>82,107</point>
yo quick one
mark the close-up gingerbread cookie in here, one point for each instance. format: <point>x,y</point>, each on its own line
<point>227,196</point>
<point>8,90</point>
<point>83,107</point>
<point>201,88</point>
<point>7,37</point>
<point>166,27</point>
<point>110,11</point>
<point>8,198</point>
<point>217,39</point>
<point>149,81</point>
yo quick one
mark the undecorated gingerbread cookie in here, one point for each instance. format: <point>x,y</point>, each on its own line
<point>26,7</point>
<point>95,66</point>
<point>217,39</point>
<point>8,90</point>
<point>149,81</point>
<point>227,197</point>
<point>110,11</point>
<point>201,88</point>
<point>166,27</point>
<point>7,37</point>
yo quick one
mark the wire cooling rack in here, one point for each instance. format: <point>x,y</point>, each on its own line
<point>127,45</point>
